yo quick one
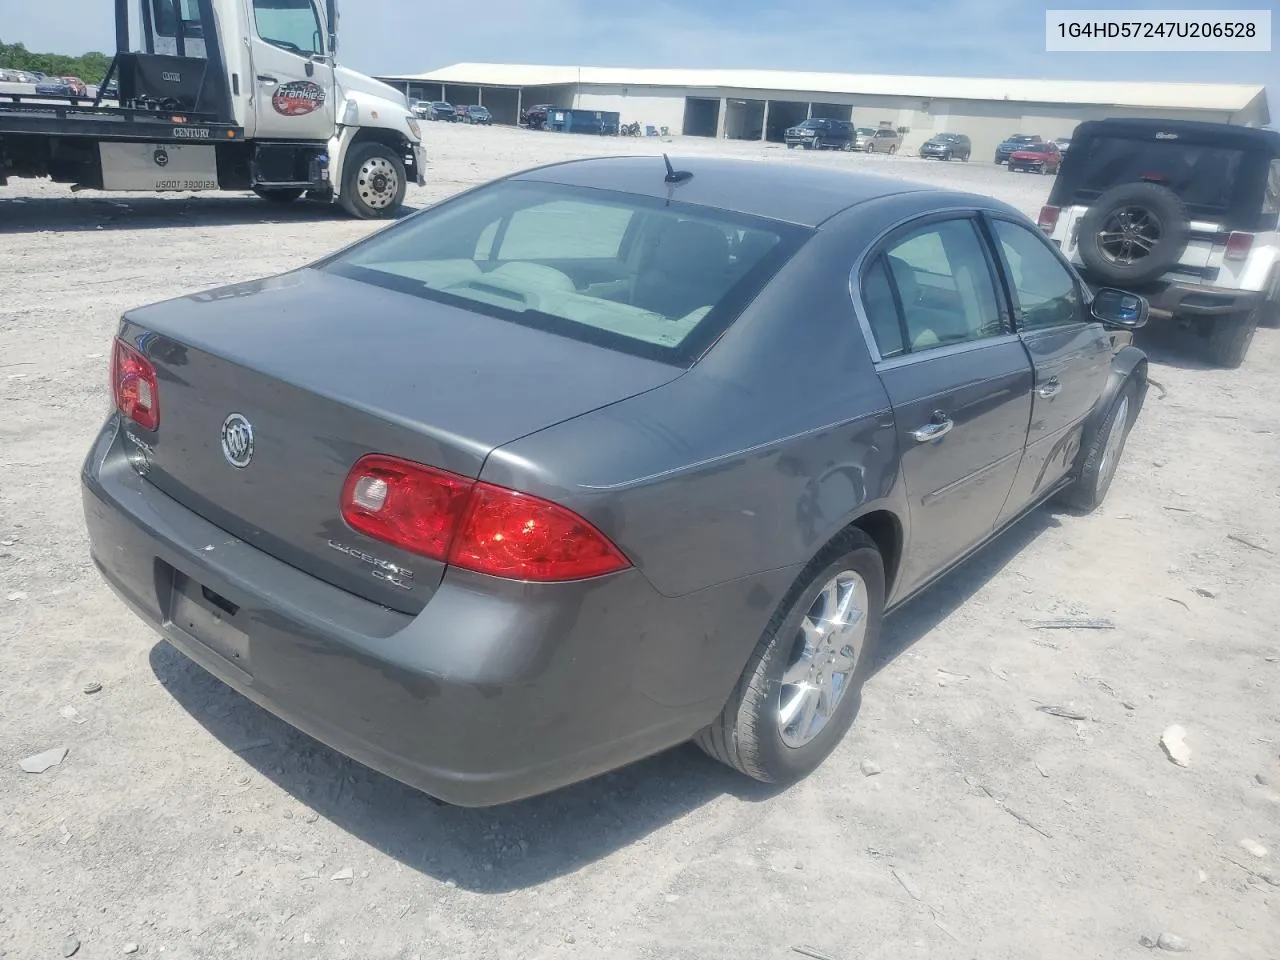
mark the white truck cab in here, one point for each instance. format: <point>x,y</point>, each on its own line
<point>226,94</point>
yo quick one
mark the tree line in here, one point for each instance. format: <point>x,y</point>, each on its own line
<point>90,67</point>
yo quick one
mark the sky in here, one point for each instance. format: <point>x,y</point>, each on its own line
<point>972,38</point>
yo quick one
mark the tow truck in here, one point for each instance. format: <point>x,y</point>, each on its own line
<point>224,95</point>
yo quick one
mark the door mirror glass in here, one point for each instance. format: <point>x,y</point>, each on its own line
<point>1116,308</point>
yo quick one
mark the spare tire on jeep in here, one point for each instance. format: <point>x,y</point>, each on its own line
<point>1133,233</point>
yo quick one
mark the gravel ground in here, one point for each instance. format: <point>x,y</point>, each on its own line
<point>192,824</point>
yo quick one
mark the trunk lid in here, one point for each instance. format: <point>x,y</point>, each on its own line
<point>326,369</point>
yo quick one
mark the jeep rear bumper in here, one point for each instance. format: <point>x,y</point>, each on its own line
<point>1191,300</point>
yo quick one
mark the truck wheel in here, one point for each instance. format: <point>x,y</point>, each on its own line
<point>1230,336</point>
<point>802,687</point>
<point>1102,455</point>
<point>373,182</point>
<point>278,194</point>
<point>1271,306</point>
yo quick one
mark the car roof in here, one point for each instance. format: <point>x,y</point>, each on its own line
<point>1195,131</point>
<point>791,192</point>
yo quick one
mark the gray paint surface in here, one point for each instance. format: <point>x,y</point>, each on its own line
<point>719,482</point>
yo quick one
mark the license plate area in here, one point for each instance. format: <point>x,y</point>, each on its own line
<point>208,618</point>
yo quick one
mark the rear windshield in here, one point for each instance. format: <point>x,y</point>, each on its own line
<point>1207,178</point>
<point>643,276</point>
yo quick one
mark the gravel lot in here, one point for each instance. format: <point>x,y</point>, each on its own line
<point>189,822</point>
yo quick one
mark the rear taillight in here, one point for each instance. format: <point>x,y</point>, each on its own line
<point>473,525</point>
<point>134,386</point>
<point>1048,219</point>
<point>1238,246</point>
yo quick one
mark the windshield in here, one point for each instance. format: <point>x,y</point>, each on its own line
<point>866,132</point>
<point>639,275</point>
<point>945,136</point>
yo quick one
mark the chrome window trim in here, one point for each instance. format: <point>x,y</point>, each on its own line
<point>949,350</point>
<point>874,249</point>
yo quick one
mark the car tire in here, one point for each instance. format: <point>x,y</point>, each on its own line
<point>1230,337</point>
<point>1101,456</point>
<point>750,734</point>
<point>279,194</point>
<point>1168,221</point>
<point>892,150</point>
<point>373,182</point>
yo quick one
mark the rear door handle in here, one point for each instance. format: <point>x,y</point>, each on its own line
<point>1050,388</point>
<point>269,81</point>
<point>938,427</point>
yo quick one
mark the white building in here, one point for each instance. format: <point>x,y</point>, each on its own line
<point>761,104</point>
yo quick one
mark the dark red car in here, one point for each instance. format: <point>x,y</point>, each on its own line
<point>1042,157</point>
<point>77,85</point>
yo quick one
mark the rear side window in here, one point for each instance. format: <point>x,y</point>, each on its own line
<point>941,287</point>
<point>1271,204</point>
<point>637,274</point>
<point>1046,292</point>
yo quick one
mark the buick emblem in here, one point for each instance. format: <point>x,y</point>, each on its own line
<point>237,440</point>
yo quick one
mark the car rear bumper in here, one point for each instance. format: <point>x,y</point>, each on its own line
<point>495,691</point>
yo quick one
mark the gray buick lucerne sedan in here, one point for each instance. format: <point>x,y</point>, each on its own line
<point>600,458</point>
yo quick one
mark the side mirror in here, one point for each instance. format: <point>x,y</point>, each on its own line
<point>1116,308</point>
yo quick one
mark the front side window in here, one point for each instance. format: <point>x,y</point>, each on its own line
<point>1046,292</point>
<point>627,272</point>
<point>942,286</point>
<point>290,25</point>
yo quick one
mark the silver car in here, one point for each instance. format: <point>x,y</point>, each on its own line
<point>883,140</point>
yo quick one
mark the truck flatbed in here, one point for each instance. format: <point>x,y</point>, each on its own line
<point>22,115</point>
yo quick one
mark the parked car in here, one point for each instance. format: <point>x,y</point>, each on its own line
<point>885,141</point>
<point>535,117</point>
<point>442,110</point>
<point>420,109</point>
<point>111,90</point>
<point>56,88</point>
<point>820,133</point>
<point>863,137</point>
<point>947,146</point>
<point>1016,142</point>
<point>479,114</point>
<point>1182,212</point>
<point>406,531</point>
<point>77,85</point>
<point>1063,143</point>
<point>1042,157</point>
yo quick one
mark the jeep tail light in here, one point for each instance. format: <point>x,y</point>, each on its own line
<point>1048,219</point>
<point>134,387</point>
<point>1238,245</point>
<point>471,524</point>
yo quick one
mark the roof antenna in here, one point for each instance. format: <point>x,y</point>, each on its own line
<point>674,175</point>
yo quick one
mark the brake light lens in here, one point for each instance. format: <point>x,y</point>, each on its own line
<point>474,525</point>
<point>134,386</point>
<point>405,504</point>
<point>1238,245</point>
<point>1048,219</point>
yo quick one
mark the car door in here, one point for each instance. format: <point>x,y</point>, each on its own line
<point>959,381</point>
<point>1070,351</point>
<point>293,73</point>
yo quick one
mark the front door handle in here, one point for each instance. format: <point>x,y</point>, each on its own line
<point>1050,388</point>
<point>936,428</point>
<point>266,80</point>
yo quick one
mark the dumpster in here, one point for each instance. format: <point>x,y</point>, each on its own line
<point>600,122</point>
